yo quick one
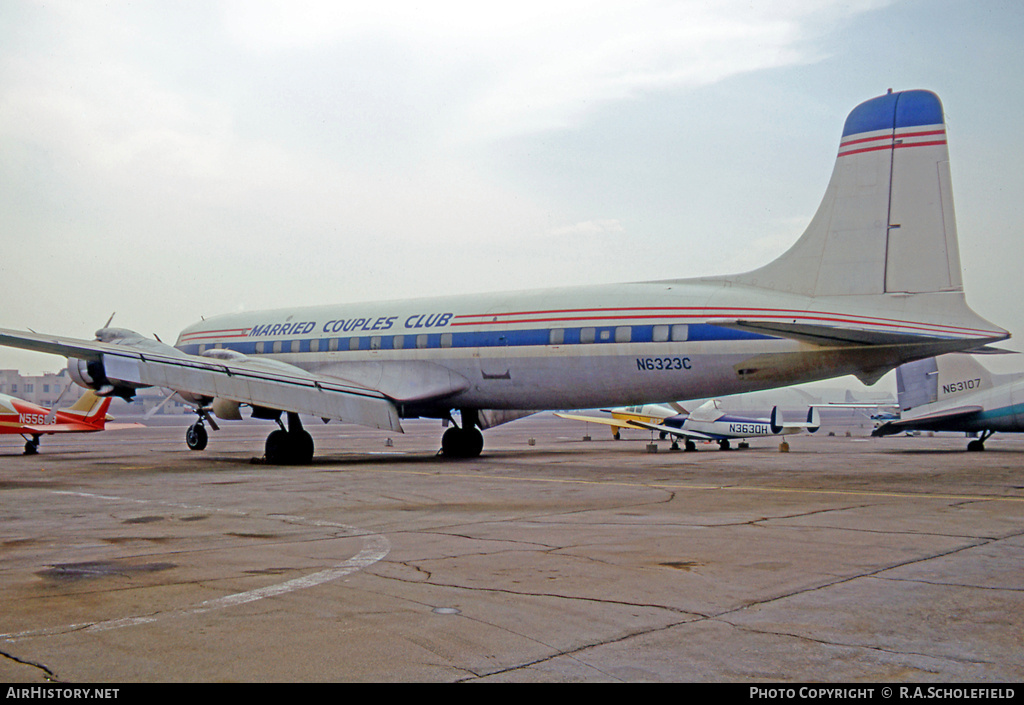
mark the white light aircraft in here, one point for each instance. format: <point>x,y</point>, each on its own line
<point>957,393</point>
<point>708,422</point>
<point>872,283</point>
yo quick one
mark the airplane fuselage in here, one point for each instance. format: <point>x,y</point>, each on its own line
<point>563,348</point>
<point>1002,409</point>
<point>24,417</point>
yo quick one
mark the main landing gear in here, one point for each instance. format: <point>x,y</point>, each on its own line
<point>32,445</point>
<point>293,446</point>
<point>978,444</point>
<point>196,436</point>
<point>464,442</point>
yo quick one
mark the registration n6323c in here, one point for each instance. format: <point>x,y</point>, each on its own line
<point>654,364</point>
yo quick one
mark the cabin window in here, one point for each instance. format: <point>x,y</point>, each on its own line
<point>588,335</point>
<point>659,334</point>
<point>261,348</point>
<point>623,334</point>
<point>557,336</point>
<point>421,340</point>
<point>314,345</point>
<point>399,342</point>
<point>333,343</point>
<point>375,343</point>
<point>278,346</point>
<point>680,332</point>
<point>296,345</point>
<point>446,340</point>
<point>353,343</point>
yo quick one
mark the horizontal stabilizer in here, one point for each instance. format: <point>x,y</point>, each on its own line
<point>929,422</point>
<point>823,334</point>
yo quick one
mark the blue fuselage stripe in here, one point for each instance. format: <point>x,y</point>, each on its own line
<point>528,337</point>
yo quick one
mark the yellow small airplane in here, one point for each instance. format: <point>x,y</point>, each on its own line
<point>629,416</point>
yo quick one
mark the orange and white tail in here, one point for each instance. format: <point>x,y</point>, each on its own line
<point>886,223</point>
<point>91,408</point>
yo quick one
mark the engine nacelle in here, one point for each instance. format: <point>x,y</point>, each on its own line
<point>226,409</point>
<point>91,375</point>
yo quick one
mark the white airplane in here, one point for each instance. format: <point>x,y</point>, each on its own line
<point>708,422</point>
<point>873,282</point>
<point>957,393</point>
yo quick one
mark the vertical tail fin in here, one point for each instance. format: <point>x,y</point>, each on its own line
<point>92,408</point>
<point>886,222</point>
<point>939,378</point>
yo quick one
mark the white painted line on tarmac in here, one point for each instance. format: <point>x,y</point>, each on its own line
<point>375,548</point>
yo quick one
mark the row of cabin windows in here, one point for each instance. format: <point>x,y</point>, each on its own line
<point>556,336</point>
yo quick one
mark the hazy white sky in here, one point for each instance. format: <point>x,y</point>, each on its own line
<point>168,160</point>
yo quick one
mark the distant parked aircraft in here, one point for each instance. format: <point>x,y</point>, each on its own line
<point>957,393</point>
<point>709,422</point>
<point>31,421</point>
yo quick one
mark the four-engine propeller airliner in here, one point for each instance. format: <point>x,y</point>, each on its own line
<point>31,421</point>
<point>873,282</point>
<point>957,393</point>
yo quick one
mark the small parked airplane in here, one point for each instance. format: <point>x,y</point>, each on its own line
<point>708,422</point>
<point>31,421</point>
<point>873,282</point>
<point>957,393</point>
<point>623,416</point>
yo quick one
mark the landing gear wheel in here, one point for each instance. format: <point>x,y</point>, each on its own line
<point>723,444</point>
<point>32,447</point>
<point>276,448</point>
<point>196,436</point>
<point>690,446</point>
<point>976,445</point>
<point>462,442</point>
<point>289,447</point>
<point>302,448</point>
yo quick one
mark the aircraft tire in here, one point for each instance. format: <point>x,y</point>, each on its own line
<point>196,437</point>
<point>462,442</point>
<point>31,448</point>
<point>276,447</point>
<point>289,448</point>
<point>302,448</point>
<point>976,445</point>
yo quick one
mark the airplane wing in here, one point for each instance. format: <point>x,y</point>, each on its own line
<point>946,419</point>
<point>139,362</point>
<point>617,423</point>
<point>661,428</point>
